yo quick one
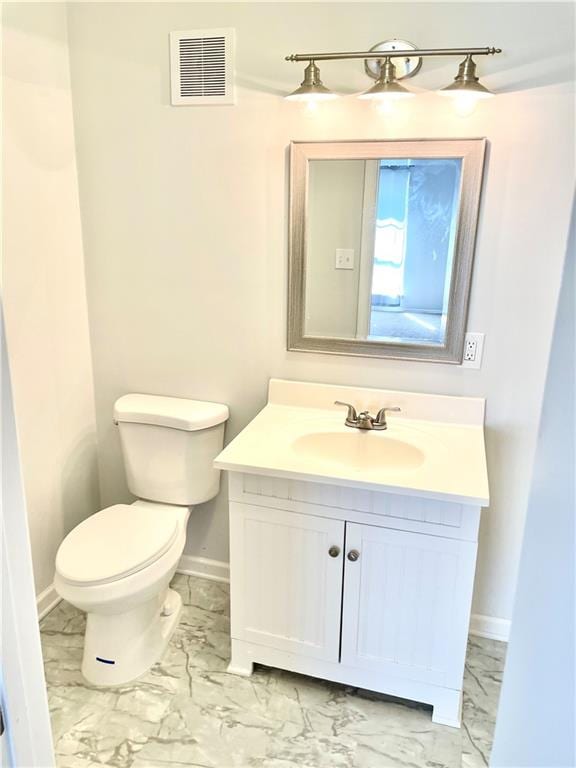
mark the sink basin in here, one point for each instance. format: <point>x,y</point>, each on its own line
<point>358,449</point>
<point>434,448</point>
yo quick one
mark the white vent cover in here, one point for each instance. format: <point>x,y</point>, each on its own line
<point>202,66</point>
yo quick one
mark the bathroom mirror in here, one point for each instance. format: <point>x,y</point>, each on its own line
<point>381,246</point>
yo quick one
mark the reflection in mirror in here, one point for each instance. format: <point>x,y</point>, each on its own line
<point>380,248</point>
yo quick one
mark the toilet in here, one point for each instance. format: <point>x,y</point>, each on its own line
<point>117,564</point>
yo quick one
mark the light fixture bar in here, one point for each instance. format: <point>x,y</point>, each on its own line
<point>407,53</point>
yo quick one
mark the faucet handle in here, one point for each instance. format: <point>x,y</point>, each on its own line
<point>351,416</point>
<point>380,420</point>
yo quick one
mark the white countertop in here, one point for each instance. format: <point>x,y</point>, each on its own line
<point>442,460</point>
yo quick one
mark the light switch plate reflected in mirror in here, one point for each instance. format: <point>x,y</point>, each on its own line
<point>344,258</point>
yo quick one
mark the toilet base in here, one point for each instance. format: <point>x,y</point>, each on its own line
<point>120,647</point>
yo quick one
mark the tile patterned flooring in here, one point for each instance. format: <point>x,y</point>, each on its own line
<point>187,711</point>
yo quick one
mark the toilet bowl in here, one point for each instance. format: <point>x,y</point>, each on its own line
<point>131,611</point>
<point>117,564</point>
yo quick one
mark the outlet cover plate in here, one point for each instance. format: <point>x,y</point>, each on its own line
<point>473,348</point>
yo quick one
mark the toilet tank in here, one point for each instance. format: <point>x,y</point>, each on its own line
<point>169,445</point>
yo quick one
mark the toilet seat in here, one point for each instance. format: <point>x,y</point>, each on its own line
<point>116,542</point>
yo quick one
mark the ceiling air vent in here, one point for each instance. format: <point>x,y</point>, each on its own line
<point>201,66</point>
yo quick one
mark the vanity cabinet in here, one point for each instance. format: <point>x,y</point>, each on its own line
<point>361,587</point>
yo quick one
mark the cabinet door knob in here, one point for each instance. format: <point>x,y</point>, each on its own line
<point>334,551</point>
<point>353,555</point>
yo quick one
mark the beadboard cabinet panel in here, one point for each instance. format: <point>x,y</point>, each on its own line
<point>412,513</point>
<point>287,589</point>
<point>403,612</point>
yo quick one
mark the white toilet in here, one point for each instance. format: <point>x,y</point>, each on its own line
<point>117,564</point>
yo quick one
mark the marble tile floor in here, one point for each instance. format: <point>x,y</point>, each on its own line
<point>187,711</point>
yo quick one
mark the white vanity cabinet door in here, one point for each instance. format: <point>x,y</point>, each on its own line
<point>286,589</point>
<point>406,604</point>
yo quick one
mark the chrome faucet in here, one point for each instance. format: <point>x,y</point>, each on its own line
<point>364,420</point>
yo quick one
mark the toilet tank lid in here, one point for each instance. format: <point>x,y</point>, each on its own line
<point>175,412</point>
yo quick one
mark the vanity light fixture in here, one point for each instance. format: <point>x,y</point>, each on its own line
<point>311,89</point>
<point>387,85</point>
<point>467,82</point>
<point>466,90</point>
<point>386,72</point>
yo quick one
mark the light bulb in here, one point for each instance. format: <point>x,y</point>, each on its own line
<point>311,106</point>
<point>465,102</point>
<point>385,106</point>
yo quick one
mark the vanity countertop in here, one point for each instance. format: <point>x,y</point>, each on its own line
<point>433,449</point>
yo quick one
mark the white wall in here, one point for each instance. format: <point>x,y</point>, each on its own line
<point>44,282</point>
<point>537,714</point>
<point>185,219</point>
<point>335,211</point>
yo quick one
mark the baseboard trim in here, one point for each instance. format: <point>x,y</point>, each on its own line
<point>216,570</point>
<point>490,627</point>
<point>46,601</point>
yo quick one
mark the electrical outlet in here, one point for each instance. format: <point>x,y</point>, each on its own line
<point>344,258</point>
<point>473,347</point>
<point>470,350</point>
